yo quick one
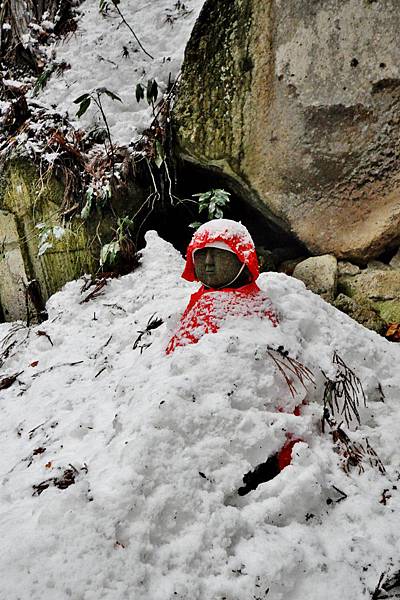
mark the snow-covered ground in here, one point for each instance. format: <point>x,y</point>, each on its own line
<point>157,447</point>
<point>104,53</point>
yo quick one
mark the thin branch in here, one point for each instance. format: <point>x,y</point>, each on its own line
<point>133,33</point>
<point>72,364</point>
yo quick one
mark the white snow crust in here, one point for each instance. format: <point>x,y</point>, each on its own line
<point>95,55</point>
<point>160,445</point>
<point>224,227</point>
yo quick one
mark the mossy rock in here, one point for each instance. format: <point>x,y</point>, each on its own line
<point>311,141</point>
<point>362,312</point>
<point>389,310</point>
<point>32,199</point>
<point>379,287</point>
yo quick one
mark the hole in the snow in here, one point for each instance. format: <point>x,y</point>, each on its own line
<point>260,474</point>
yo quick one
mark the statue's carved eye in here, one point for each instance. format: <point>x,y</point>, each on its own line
<point>200,253</point>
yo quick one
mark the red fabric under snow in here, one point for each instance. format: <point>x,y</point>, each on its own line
<point>208,308</point>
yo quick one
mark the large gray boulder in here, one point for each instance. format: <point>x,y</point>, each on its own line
<point>298,103</point>
<point>319,274</point>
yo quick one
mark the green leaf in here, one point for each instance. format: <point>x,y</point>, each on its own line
<point>81,98</point>
<point>112,95</point>
<point>109,252</point>
<point>195,225</point>
<point>88,204</point>
<point>140,91</point>
<point>104,195</point>
<point>83,107</point>
<point>160,156</point>
<point>203,195</point>
<point>103,5</point>
<point>152,91</point>
<point>211,209</point>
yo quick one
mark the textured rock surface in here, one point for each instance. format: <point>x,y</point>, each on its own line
<point>298,101</point>
<point>13,279</point>
<point>319,274</point>
<point>381,288</point>
<point>377,265</point>
<point>362,312</point>
<point>347,268</point>
<point>25,201</point>
<point>395,262</point>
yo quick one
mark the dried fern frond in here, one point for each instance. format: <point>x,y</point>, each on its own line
<point>344,394</point>
<point>355,454</point>
<point>291,369</point>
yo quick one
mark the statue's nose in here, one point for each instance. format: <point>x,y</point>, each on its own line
<point>209,258</point>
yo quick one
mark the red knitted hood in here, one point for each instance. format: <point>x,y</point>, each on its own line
<point>233,234</point>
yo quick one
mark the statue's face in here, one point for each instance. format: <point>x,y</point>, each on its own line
<point>215,267</point>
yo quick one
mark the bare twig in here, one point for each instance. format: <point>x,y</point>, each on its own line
<point>97,101</point>
<point>96,292</point>
<point>7,382</point>
<point>131,30</point>
<point>72,364</point>
<point>374,459</point>
<point>100,372</point>
<point>43,333</point>
<point>152,323</point>
<point>8,343</point>
<point>351,452</point>
<point>343,494</point>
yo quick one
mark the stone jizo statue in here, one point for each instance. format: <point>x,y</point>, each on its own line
<point>222,257</point>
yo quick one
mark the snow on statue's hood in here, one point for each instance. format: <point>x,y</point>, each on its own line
<point>231,233</point>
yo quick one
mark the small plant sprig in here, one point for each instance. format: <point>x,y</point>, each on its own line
<point>152,323</point>
<point>104,7</point>
<point>214,202</point>
<point>354,454</point>
<point>180,11</point>
<point>48,235</point>
<point>53,67</point>
<point>291,369</point>
<point>85,101</point>
<point>120,246</point>
<point>344,394</point>
<point>151,91</point>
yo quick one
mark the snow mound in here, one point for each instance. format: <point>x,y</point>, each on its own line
<point>120,465</point>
